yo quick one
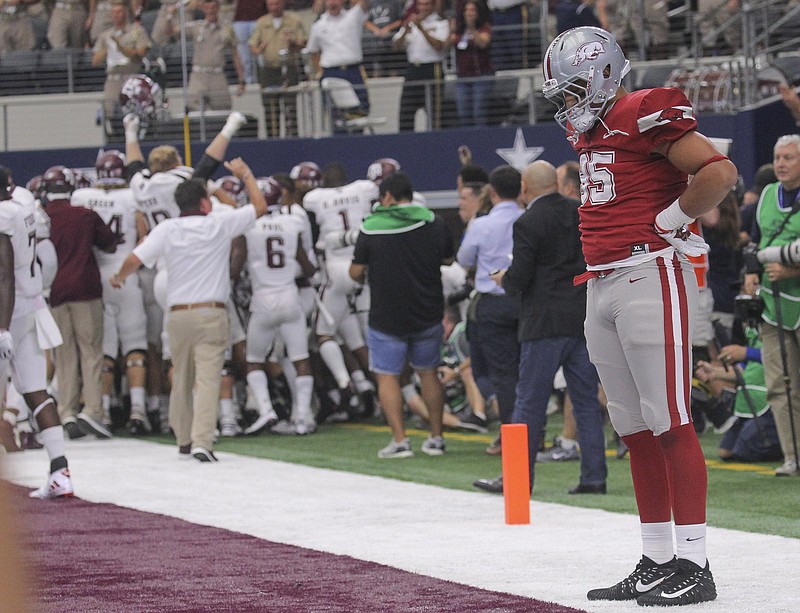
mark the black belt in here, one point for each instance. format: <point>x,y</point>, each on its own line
<point>343,67</point>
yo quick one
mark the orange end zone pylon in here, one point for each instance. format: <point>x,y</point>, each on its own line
<point>516,475</point>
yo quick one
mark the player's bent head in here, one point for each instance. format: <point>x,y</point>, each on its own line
<point>506,182</point>
<point>190,194</point>
<point>163,158</point>
<point>398,185</point>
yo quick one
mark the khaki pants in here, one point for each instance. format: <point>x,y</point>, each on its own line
<point>16,35</point>
<point>198,339</point>
<point>111,91</point>
<point>80,359</point>
<point>776,390</point>
<point>66,28</point>
<point>211,86</point>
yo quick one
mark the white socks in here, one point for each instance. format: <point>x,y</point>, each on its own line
<point>657,541</point>
<point>257,382</point>
<point>691,540</point>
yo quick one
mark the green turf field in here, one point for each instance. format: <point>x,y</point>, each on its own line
<point>741,496</point>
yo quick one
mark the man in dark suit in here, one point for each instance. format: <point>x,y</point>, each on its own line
<point>546,257</point>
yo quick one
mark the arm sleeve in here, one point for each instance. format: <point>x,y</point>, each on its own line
<point>133,168</point>
<point>206,167</point>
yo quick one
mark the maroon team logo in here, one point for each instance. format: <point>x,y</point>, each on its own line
<point>671,114</point>
<point>588,51</point>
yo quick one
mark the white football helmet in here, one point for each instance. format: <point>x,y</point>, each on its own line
<point>583,68</point>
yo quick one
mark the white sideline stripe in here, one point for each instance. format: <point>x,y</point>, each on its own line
<point>448,534</point>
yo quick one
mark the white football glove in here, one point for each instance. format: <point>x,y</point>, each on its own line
<point>6,345</point>
<point>131,123</point>
<point>338,239</point>
<point>684,241</point>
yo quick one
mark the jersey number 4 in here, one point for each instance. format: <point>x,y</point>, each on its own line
<point>597,181</point>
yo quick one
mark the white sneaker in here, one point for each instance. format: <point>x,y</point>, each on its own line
<point>284,427</point>
<point>434,446</point>
<point>88,425</point>
<point>59,485</point>
<point>230,429</point>
<point>788,469</point>
<point>396,450</point>
<point>305,425</point>
<point>264,420</point>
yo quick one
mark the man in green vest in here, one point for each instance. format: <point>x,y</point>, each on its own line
<point>779,224</point>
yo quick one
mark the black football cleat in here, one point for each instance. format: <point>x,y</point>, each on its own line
<point>690,584</point>
<point>646,577</point>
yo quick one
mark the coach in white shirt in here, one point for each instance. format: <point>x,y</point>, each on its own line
<point>196,248</point>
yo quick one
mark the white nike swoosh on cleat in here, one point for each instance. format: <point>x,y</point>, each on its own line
<point>646,587</point>
<point>679,593</point>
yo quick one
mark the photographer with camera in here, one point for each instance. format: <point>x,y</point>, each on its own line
<point>753,436</point>
<point>779,253</point>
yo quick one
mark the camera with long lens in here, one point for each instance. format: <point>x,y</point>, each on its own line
<point>750,257</point>
<point>789,255</point>
<point>748,309</point>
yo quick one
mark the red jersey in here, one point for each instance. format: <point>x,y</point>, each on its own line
<point>624,184</point>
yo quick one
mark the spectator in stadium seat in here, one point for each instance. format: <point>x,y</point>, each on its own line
<point>472,40</point>
<point>575,13</point>
<point>164,26</point>
<point>67,26</point>
<point>384,18</point>
<point>335,45</point>
<point>244,24</point>
<point>121,48</point>
<point>208,88</point>
<point>276,41</point>
<point>625,21</point>
<point>99,19</point>
<point>713,14</point>
<point>509,33</point>
<point>16,27</point>
<point>424,36</point>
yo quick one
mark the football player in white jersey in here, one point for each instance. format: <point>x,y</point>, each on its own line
<point>340,207</point>
<point>24,319</point>
<point>124,319</point>
<point>274,250</point>
<point>153,186</point>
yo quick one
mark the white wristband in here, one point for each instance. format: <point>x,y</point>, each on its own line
<point>672,217</point>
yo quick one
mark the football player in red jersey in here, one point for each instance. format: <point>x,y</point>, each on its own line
<point>636,151</point>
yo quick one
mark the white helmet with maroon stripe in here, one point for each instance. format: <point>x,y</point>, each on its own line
<point>382,168</point>
<point>110,167</point>
<point>271,190</point>
<point>583,68</point>
<point>308,173</point>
